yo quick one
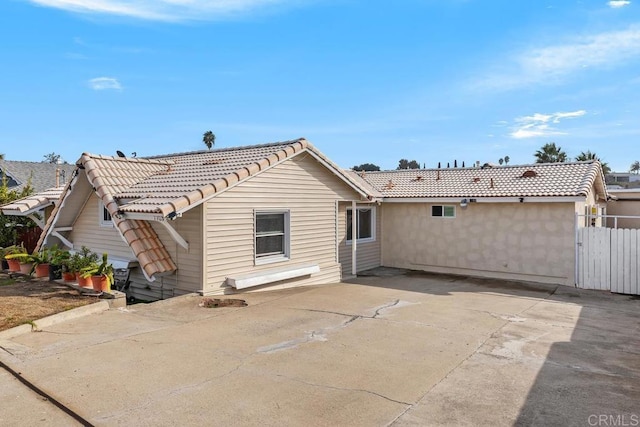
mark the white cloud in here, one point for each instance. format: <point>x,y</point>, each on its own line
<point>162,10</point>
<point>552,63</point>
<point>105,83</point>
<point>616,4</point>
<point>541,124</point>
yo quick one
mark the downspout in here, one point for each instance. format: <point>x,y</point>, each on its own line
<point>354,238</point>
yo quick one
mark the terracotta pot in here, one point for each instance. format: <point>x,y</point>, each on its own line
<point>100,283</point>
<point>42,270</point>
<point>14,265</point>
<point>69,276</point>
<point>25,268</point>
<point>84,282</point>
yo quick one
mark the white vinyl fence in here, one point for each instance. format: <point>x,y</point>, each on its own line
<point>608,259</point>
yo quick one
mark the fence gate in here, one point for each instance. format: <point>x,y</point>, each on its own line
<point>608,259</point>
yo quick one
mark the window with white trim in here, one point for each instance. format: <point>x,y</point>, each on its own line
<point>365,224</point>
<point>271,236</point>
<point>445,211</point>
<point>104,216</point>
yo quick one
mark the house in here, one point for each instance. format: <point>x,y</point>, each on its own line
<point>282,214</point>
<point>40,176</point>
<point>211,221</point>
<point>507,222</point>
<point>625,203</point>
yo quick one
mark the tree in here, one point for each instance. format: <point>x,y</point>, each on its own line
<point>10,224</point>
<point>406,164</point>
<point>1,156</point>
<point>209,139</point>
<point>506,160</point>
<point>501,161</point>
<point>368,167</point>
<point>635,167</point>
<point>52,158</point>
<point>550,153</point>
<point>588,155</point>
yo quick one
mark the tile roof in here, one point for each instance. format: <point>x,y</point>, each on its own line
<point>33,203</point>
<point>162,185</point>
<point>41,175</point>
<point>537,180</point>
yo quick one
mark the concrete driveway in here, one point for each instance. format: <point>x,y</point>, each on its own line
<point>395,350</point>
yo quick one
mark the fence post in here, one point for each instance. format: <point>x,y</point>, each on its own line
<point>575,272</point>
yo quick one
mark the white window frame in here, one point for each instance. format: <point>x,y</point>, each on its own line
<point>268,259</point>
<point>373,225</point>
<point>101,211</point>
<point>443,215</point>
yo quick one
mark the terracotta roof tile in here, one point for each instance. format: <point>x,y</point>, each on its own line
<point>33,203</point>
<point>551,179</point>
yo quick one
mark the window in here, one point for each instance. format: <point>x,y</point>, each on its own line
<point>443,211</point>
<point>271,236</point>
<point>365,223</point>
<point>104,215</point>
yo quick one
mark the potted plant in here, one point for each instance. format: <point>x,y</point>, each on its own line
<point>57,257</point>
<point>101,274</point>
<point>41,262</point>
<point>25,260</point>
<point>12,255</point>
<point>83,260</point>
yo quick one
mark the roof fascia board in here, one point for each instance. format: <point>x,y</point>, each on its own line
<point>514,199</point>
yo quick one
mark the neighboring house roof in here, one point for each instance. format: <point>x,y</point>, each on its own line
<point>40,175</point>
<point>135,190</point>
<point>33,203</point>
<point>537,180</point>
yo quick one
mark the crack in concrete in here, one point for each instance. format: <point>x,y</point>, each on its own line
<point>344,389</point>
<point>379,309</point>
<point>3,348</point>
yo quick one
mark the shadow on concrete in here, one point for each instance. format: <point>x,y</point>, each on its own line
<point>593,379</point>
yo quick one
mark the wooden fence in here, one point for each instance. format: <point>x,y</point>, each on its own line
<point>608,259</point>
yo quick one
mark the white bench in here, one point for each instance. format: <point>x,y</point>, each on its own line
<point>270,276</point>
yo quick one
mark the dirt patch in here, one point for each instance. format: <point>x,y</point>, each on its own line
<point>23,300</point>
<point>215,303</point>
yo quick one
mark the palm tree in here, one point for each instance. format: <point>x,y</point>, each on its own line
<point>209,139</point>
<point>550,153</point>
<point>635,167</point>
<point>501,161</point>
<point>588,155</point>
<point>506,160</point>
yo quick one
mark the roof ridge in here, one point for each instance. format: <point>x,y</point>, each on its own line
<point>126,159</point>
<point>479,167</point>
<point>226,149</point>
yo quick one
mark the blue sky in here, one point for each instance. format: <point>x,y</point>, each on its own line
<point>365,81</point>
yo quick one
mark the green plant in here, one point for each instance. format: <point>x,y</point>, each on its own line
<point>103,269</point>
<point>80,260</point>
<point>13,250</point>
<point>57,256</point>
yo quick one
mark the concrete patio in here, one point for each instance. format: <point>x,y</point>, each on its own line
<point>395,349</point>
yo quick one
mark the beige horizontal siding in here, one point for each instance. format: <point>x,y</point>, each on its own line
<point>88,232</point>
<point>302,186</point>
<point>368,253</point>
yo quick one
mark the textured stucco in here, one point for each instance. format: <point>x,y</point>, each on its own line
<point>524,241</point>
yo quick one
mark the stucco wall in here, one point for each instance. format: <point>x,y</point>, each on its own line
<point>523,241</point>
